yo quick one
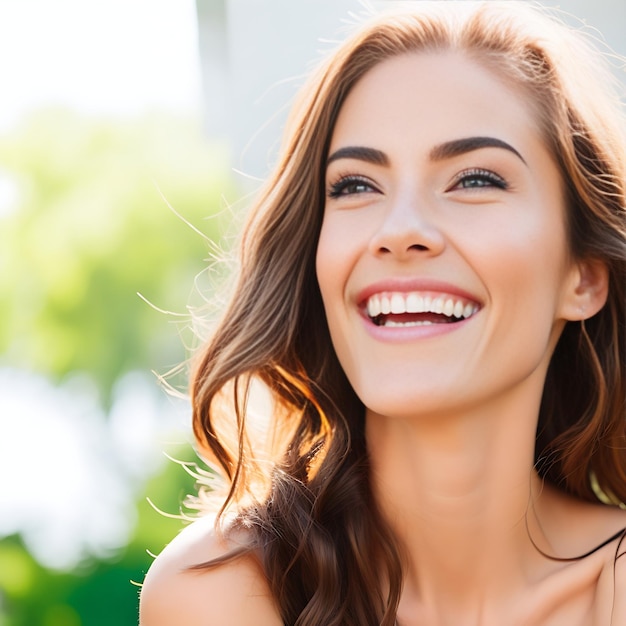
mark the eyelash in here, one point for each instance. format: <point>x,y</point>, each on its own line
<point>487,178</point>
<point>340,188</point>
<point>477,174</point>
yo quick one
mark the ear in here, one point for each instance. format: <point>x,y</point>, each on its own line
<point>587,290</point>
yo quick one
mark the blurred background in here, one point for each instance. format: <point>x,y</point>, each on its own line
<point>131,135</point>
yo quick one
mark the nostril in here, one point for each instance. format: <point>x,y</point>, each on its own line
<point>416,246</point>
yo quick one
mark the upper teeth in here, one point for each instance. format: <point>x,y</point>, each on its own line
<point>385,303</point>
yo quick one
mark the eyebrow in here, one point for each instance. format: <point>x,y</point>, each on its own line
<point>360,153</point>
<point>446,150</point>
<point>457,147</point>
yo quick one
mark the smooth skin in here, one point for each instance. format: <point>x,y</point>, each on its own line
<point>451,412</point>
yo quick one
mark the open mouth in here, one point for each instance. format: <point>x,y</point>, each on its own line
<point>396,309</point>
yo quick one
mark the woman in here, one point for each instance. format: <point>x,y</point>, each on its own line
<point>432,289</point>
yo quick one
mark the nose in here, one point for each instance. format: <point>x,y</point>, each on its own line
<point>407,228</point>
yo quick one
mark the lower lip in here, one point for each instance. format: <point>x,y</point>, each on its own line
<point>402,334</point>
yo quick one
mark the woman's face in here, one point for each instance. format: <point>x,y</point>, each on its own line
<point>442,260</point>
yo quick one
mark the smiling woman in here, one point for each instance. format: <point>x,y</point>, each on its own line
<point>445,217</point>
<point>432,291</point>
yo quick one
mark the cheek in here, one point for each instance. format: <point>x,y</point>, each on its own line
<point>323,264</point>
<point>528,240</point>
<point>333,261</point>
<point>524,267</point>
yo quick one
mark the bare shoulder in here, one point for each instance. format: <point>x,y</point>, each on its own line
<point>610,609</point>
<point>235,593</point>
<point>595,533</point>
<point>619,608</point>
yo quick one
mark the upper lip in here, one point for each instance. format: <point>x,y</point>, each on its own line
<point>403,285</point>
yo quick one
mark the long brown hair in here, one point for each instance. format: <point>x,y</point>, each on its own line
<point>300,483</point>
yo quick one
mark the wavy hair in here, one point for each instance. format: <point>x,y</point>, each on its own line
<point>299,481</point>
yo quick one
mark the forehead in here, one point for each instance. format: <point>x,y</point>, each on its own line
<point>434,97</point>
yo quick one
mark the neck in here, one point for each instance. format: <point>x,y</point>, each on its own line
<point>456,491</point>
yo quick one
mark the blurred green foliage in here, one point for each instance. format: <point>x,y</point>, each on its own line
<point>100,593</point>
<point>89,229</point>
<point>92,229</point>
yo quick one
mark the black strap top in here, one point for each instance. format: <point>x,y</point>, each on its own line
<point>620,534</point>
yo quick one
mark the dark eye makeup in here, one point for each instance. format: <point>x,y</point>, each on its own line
<point>349,185</point>
<point>469,179</point>
<point>478,178</point>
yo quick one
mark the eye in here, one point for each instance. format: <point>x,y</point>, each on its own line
<point>350,185</point>
<point>477,178</point>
